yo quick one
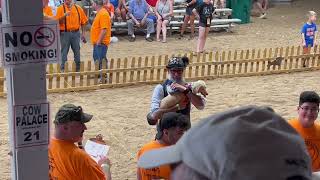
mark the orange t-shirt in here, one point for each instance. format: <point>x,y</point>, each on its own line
<point>74,20</point>
<point>101,21</point>
<point>311,137</point>
<point>68,162</point>
<point>158,172</point>
<point>110,8</point>
<point>47,11</point>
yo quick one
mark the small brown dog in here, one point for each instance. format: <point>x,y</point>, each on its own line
<point>276,62</point>
<point>198,87</point>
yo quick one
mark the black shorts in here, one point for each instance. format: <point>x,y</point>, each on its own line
<point>204,24</point>
<point>189,9</point>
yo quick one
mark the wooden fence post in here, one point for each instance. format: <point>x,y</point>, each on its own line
<point>111,73</point>
<point>81,73</point>
<point>132,65</point>
<point>50,76</point>
<point>159,70</point>
<point>66,75</point>
<point>73,77</point>
<point>125,66</point>
<point>89,75</point>
<point>152,69</point>
<point>139,67</point>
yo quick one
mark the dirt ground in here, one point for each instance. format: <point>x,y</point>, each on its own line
<point>119,114</point>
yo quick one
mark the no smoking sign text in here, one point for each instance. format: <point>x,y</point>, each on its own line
<point>30,44</point>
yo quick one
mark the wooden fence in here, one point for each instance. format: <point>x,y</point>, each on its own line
<point>148,70</point>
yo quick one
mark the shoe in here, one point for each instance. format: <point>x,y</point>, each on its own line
<point>263,16</point>
<point>180,36</point>
<point>132,38</point>
<point>149,39</point>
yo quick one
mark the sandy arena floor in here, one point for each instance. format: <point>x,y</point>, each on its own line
<point>119,114</point>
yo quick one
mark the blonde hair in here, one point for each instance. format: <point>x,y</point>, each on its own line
<point>311,13</point>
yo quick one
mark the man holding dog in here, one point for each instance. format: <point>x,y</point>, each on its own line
<point>175,82</point>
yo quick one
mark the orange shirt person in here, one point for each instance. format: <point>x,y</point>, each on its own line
<point>305,125</point>
<point>171,127</point>
<point>110,8</point>
<point>66,160</point>
<point>100,32</point>
<point>71,19</point>
<point>47,10</point>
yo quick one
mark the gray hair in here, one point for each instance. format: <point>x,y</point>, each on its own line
<point>183,171</point>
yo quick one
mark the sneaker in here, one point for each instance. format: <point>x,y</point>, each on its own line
<point>149,39</point>
<point>180,36</point>
<point>263,16</point>
<point>132,38</point>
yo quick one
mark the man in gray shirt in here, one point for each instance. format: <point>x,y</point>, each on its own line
<point>174,83</point>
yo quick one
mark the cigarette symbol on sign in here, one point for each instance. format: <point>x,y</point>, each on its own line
<point>44,37</point>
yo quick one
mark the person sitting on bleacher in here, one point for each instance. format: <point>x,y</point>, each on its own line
<point>164,11</point>
<point>138,12</point>
<point>124,9</point>
<point>110,8</point>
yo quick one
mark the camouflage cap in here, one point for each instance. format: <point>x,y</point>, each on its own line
<point>70,112</point>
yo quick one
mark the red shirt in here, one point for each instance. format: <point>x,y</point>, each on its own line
<point>152,2</point>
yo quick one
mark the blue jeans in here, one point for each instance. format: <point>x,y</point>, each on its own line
<point>100,54</point>
<point>70,39</point>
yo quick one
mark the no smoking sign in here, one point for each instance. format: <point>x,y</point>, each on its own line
<point>30,44</point>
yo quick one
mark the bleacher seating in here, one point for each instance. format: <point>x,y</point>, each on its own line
<point>221,20</point>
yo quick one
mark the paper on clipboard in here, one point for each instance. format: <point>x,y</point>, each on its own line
<point>95,150</point>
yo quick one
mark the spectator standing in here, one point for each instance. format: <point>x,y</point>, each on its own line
<point>71,18</point>
<point>309,34</point>
<point>100,32</point>
<point>189,16</point>
<point>204,14</point>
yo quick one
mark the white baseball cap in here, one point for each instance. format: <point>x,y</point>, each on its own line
<point>247,143</point>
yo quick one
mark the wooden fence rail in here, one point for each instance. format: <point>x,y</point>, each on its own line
<point>148,70</point>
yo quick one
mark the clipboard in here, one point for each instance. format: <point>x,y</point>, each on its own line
<point>96,147</point>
